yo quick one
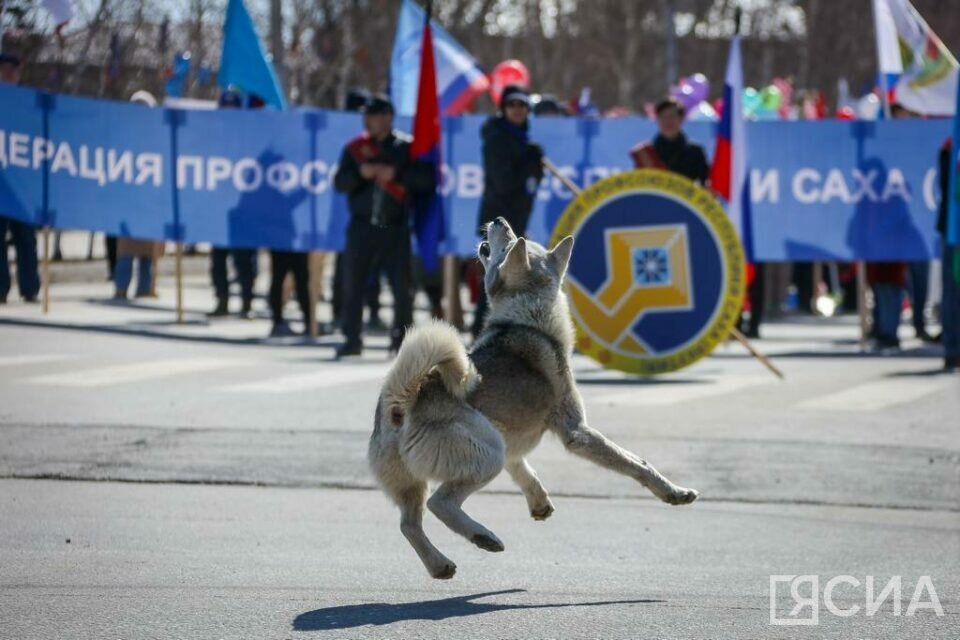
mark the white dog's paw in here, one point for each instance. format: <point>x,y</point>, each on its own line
<point>681,496</point>
<point>542,511</point>
<point>444,571</point>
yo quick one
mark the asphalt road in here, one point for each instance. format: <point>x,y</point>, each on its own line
<point>125,434</point>
<point>168,561</point>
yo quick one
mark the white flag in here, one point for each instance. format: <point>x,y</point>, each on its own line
<point>61,10</point>
<point>928,82</point>
<point>888,48</point>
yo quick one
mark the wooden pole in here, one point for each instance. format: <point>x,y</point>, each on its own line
<point>178,258</point>
<point>742,339</point>
<point>45,296</point>
<point>567,182</point>
<point>314,282</point>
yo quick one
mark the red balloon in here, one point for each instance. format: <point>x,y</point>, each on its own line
<point>505,74</point>
<point>846,113</point>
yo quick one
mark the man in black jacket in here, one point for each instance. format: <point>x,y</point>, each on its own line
<point>378,176</point>
<point>512,170</point>
<point>670,150</point>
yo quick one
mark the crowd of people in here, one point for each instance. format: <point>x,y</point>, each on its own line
<point>379,179</point>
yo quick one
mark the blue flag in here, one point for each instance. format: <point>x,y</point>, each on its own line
<point>244,63</point>
<point>459,78</point>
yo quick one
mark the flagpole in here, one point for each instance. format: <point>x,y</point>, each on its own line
<point>736,333</point>
<point>884,83</point>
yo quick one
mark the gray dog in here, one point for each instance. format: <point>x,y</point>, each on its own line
<point>458,419</point>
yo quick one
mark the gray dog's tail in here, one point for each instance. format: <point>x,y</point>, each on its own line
<point>432,347</point>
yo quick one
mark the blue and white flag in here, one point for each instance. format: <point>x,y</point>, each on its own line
<point>459,78</point>
<point>244,63</point>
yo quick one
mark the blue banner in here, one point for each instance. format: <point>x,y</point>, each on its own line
<point>826,190</point>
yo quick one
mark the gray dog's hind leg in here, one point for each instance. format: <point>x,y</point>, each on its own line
<point>445,503</point>
<point>582,440</point>
<point>410,501</point>
<point>526,478</point>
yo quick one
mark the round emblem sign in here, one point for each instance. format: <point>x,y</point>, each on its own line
<point>656,280</point>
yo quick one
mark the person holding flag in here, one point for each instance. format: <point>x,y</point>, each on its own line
<point>379,177</point>
<point>728,179</point>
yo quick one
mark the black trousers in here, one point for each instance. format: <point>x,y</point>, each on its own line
<point>367,247</point>
<point>245,263</point>
<point>757,299</point>
<point>282,263</point>
<point>111,243</point>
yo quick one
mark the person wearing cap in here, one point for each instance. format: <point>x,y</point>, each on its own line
<point>24,235</point>
<point>378,177</point>
<point>244,260</point>
<point>513,168</point>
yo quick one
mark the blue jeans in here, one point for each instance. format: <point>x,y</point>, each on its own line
<point>950,307</point>
<point>888,298</point>
<point>25,242</point>
<point>123,273</point>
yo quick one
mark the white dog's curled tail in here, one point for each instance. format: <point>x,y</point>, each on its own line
<point>432,347</point>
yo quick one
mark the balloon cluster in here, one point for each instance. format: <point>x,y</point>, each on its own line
<point>692,92</point>
<point>769,103</point>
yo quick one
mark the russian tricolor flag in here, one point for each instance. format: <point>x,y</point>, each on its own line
<point>728,175</point>
<point>428,208</point>
<point>459,78</point>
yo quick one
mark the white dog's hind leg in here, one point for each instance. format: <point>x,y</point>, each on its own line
<point>411,525</point>
<point>582,440</point>
<point>526,478</point>
<point>445,503</point>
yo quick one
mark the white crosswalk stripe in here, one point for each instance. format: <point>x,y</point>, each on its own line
<point>330,377</point>
<point>24,360</point>
<point>135,372</point>
<point>877,395</point>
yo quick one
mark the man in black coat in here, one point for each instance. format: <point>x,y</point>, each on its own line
<point>670,150</point>
<point>512,170</point>
<point>378,177</point>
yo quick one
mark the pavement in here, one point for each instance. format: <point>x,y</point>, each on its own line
<point>200,480</point>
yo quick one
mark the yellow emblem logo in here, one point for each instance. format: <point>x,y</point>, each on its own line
<point>669,283</point>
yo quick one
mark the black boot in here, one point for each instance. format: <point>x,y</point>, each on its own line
<point>220,310</point>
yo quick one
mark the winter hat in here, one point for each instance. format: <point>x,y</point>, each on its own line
<point>514,93</point>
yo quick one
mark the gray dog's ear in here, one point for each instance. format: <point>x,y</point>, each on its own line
<point>560,255</point>
<point>517,258</point>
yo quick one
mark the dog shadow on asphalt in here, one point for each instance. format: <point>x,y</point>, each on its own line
<point>382,613</point>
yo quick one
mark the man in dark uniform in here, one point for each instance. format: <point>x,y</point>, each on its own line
<point>670,150</point>
<point>512,170</point>
<point>378,176</point>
